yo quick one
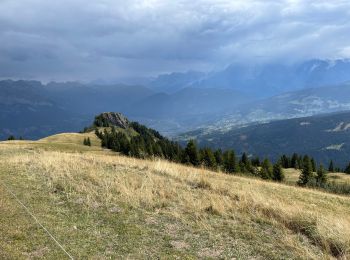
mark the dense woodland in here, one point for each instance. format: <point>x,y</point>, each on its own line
<point>148,143</point>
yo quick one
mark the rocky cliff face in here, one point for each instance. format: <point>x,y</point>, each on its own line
<point>108,119</point>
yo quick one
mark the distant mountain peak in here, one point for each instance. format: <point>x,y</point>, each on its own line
<point>261,79</point>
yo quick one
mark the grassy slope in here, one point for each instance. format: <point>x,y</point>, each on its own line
<point>292,176</point>
<point>101,205</point>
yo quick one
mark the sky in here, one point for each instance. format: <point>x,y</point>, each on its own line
<point>111,39</point>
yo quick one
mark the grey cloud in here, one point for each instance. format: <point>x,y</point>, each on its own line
<point>76,39</point>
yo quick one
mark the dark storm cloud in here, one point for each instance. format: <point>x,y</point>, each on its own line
<point>110,38</point>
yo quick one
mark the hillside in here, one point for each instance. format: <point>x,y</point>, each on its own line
<point>294,104</point>
<point>325,137</point>
<point>98,204</point>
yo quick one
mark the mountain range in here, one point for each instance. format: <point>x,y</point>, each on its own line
<point>180,102</point>
<point>260,80</point>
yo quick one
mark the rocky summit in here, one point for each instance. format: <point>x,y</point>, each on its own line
<point>108,119</point>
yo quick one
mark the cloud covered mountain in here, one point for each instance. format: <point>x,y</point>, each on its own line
<point>261,80</point>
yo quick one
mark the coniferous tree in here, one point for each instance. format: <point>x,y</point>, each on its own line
<point>277,172</point>
<point>11,138</point>
<point>266,170</point>
<point>218,157</point>
<point>135,149</point>
<point>300,162</point>
<point>244,159</point>
<point>185,159</point>
<point>192,153</point>
<point>245,164</point>
<point>256,161</point>
<point>157,150</point>
<point>208,159</point>
<point>294,161</point>
<point>331,166</point>
<point>230,162</point>
<point>87,141</point>
<point>201,153</point>
<point>113,130</point>
<point>313,163</point>
<point>306,174</point>
<point>124,144</point>
<point>321,177</point>
<point>97,133</point>
<point>347,169</point>
<point>285,161</point>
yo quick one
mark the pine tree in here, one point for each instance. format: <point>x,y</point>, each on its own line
<point>245,164</point>
<point>185,159</point>
<point>230,162</point>
<point>97,133</point>
<point>113,130</point>
<point>192,153</point>
<point>331,166</point>
<point>285,161</point>
<point>244,159</point>
<point>11,138</point>
<point>218,156</point>
<point>300,162</point>
<point>157,150</point>
<point>321,177</point>
<point>277,173</point>
<point>208,159</point>
<point>256,162</point>
<point>266,170</point>
<point>134,149</point>
<point>347,169</point>
<point>87,141</point>
<point>294,161</point>
<point>306,174</point>
<point>313,163</point>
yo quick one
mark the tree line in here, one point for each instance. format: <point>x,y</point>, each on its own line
<point>12,138</point>
<point>148,143</point>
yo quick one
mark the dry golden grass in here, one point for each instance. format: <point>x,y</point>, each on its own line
<point>72,138</point>
<point>248,218</point>
<point>292,176</point>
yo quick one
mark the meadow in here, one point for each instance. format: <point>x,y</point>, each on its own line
<point>100,205</point>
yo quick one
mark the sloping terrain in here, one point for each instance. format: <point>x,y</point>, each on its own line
<point>325,137</point>
<point>98,204</point>
<point>301,103</point>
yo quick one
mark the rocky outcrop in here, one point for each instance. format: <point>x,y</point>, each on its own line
<point>109,119</point>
